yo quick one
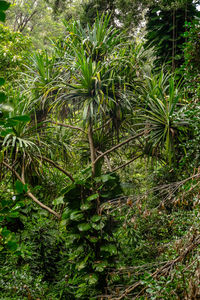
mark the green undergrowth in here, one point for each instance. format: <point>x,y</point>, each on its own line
<point>143,241</point>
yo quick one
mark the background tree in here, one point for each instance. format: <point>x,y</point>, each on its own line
<point>34,18</point>
<point>191,65</point>
<point>126,14</point>
<point>166,27</point>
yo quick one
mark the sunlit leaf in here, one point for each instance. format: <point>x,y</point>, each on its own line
<point>76,216</point>
<point>95,218</point>
<point>84,227</point>
<point>86,206</point>
<point>58,200</point>
<point>92,197</point>
<point>112,249</point>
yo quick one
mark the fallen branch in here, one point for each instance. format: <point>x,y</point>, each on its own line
<point>163,271</point>
<point>30,194</point>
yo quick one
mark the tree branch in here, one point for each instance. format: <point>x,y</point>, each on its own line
<point>30,194</point>
<point>127,163</point>
<point>66,125</point>
<point>101,127</point>
<point>117,146</point>
<point>92,149</point>
<point>25,21</point>
<point>107,161</point>
<point>57,167</point>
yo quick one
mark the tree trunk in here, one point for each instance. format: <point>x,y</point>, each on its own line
<point>173,40</point>
<point>92,149</point>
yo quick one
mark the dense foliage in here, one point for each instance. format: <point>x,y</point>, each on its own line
<point>99,150</point>
<point>166,27</point>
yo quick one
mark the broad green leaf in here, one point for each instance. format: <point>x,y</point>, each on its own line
<point>5,232</point>
<point>81,265</point>
<point>11,122</point>
<point>98,226</point>
<point>5,211</point>
<point>86,170</point>
<point>4,133</point>
<point>12,215</point>
<point>92,279</point>
<point>58,200</point>
<point>5,203</point>
<point>92,197</point>
<point>4,5</point>
<point>66,213</point>
<point>26,188</point>
<point>2,16</point>
<point>19,187</point>
<point>92,239</point>
<point>104,178</point>
<point>95,218</point>
<point>12,245</point>
<point>100,266</point>
<point>84,227</point>
<point>2,97</point>
<point>105,195</point>
<point>76,216</point>
<point>73,237</point>
<point>16,207</point>
<point>63,223</point>
<point>23,118</point>
<point>112,249</point>
<point>86,206</point>
<point>107,177</point>
<point>67,189</point>
<point>2,81</point>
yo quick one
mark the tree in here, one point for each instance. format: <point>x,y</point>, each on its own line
<point>165,29</point>
<point>14,48</point>
<point>191,66</point>
<point>34,19</point>
<point>127,14</point>
<point>163,117</point>
<point>90,81</point>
